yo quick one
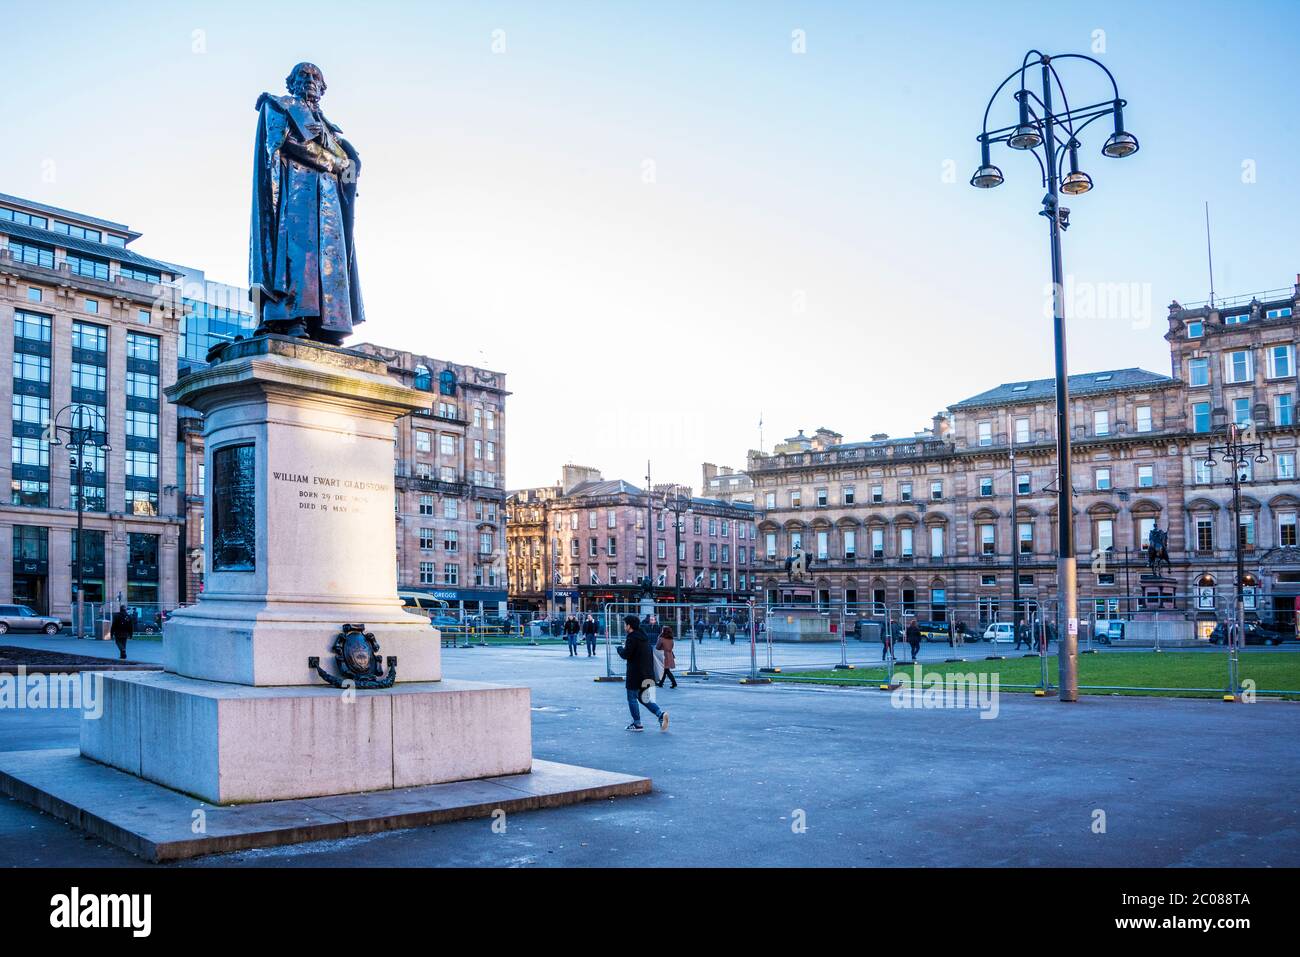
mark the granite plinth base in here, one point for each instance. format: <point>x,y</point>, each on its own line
<point>229,743</point>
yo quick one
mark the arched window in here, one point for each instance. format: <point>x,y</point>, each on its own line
<point>447,382</point>
<point>423,378</point>
<point>1205,593</point>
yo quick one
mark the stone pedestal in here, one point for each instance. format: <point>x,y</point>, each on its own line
<point>298,446</point>
<point>300,541</point>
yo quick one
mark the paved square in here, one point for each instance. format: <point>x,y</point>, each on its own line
<point>1180,782</point>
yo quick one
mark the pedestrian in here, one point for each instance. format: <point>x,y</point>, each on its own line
<point>959,635</point>
<point>665,644</point>
<point>121,629</point>
<point>571,634</point>
<point>589,635</point>
<point>1022,634</point>
<point>887,640</point>
<point>914,637</point>
<point>640,681</point>
<point>700,628</point>
<point>731,630</point>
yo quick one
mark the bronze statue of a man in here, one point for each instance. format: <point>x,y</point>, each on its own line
<point>303,264</point>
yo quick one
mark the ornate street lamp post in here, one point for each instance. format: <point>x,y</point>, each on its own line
<point>79,427</point>
<point>1237,450</point>
<point>678,501</point>
<point>1038,126</point>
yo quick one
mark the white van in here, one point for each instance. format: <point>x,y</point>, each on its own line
<point>1000,631</point>
<point>424,603</point>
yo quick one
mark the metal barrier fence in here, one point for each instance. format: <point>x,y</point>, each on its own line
<point>92,619</point>
<point>1179,645</point>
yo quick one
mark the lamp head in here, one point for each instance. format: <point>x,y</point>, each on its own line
<point>1026,135</point>
<point>1075,182</point>
<point>1120,143</point>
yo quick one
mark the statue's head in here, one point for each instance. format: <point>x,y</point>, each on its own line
<point>306,82</point>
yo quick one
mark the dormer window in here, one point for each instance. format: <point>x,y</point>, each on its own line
<point>1282,313</point>
<point>1195,330</point>
<point>423,378</point>
<point>1023,387</point>
<point>1106,377</point>
<point>1236,320</point>
<point>447,382</point>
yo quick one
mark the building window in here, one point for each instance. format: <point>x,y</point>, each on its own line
<point>821,499</point>
<point>1282,313</point>
<point>1198,371</point>
<point>936,541</point>
<point>611,546</point>
<point>1241,411</point>
<point>877,494</point>
<point>795,498</point>
<point>1144,418</point>
<point>423,441</point>
<point>87,266</point>
<point>1022,431</point>
<point>1195,329</point>
<point>1246,530</point>
<point>1236,366</point>
<point>848,495</point>
<point>446,444</point>
<point>1285,465</point>
<point>486,543</point>
<point>32,254</point>
<point>426,540</point>
<point>1284,410</point>
<point>877,543</point>
<point>769,500</point>
<point>451,574</point>
<point>1281,362</point>
<point>1286,529</point>
<point>450,509</point>
<point>986,433</point>
<point>1101,423</point>
<point>905,492</point>
<point>850,544</point>
<point>426,505</point>
<point>1104,536</point>
<point>1205,534</point>
<point>34,327</point>
<point>1146,476</point>
<point>936,490</point>
<point>986,487</point>
<point>33,294</point>
<point>1025,537</point>
<point>611,519</point>
<point>988,540</point>
<point>140,346</point>
<point>1102,481</point>
<point>769,544</point>
<point>1022,484</point>
<point>1200,416</point>
<point>823,546</point>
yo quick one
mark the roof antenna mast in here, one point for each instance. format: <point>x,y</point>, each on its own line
<point>1209,254</point>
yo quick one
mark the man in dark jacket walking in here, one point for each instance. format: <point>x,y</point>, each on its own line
<point>914,637</point>
<point>639,655</point>
<point>121,629</point>
<point>589,635</point>
<point>571,635</point>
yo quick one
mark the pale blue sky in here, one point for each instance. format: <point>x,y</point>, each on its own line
<point>798,252</point>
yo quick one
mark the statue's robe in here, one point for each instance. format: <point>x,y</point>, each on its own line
<point>303,263</point>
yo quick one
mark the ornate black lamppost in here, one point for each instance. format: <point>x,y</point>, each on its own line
<point>1038,125</point>
<point>678,501</point>
<point>79,427</point>
<point>1237,450</point>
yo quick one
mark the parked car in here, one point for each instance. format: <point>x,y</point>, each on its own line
<point>1000,631</point>
<point>933,630</point>
<point>443,621</point>
<point>22,618</point>
<point>1257,633</point>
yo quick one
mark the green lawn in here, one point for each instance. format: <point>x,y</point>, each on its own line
<point>1277,671</point>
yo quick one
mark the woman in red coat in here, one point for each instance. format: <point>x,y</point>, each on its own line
<point>665,644</point>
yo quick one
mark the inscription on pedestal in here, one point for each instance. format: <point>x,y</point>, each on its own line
<point>334,495</point>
